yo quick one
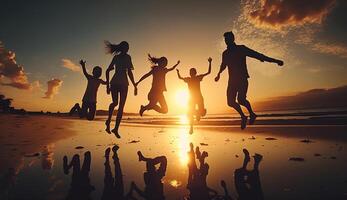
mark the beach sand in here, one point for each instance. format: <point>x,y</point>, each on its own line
<point>299,161</point>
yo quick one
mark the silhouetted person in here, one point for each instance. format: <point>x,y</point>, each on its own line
<point>118,86</point>
<point>75,109</point>
<point>247,183</point>
<point>154,189</point>
<point>195,96</point>
<point>156,95</point>
<point>90,95</point>
<point>197,185</point>
<point>113,187</point>
<point>80,188</point>
<point>234,57</point>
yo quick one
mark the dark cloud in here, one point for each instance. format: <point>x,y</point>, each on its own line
<point>279,13</point>
<point>10,70</point>
<point>53,87</point>
<point>316,98</point>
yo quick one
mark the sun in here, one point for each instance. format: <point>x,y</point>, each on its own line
<point>181,98</point>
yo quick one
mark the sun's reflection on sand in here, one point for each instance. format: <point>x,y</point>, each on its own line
<point>183,146</point>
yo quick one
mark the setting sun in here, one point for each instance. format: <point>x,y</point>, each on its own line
<point>181,98</point>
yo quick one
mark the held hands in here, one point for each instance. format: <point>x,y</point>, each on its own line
<point>108,90</point>
<point>217,77</point>
<point>82,62</point>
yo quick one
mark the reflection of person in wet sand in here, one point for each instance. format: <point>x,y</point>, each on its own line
<point>118,86</point>
<point>195,96</point>
<point>154,189</point>
<point>234,57</point>
<point>197,184</point>
<point>247,183</point>
<point>80,182</point>
<point>89,99</point>
<point>156,95</point>
<point>113,187</point>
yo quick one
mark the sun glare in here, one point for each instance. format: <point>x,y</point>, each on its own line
<point>183,146</point>
<point>181,98</point>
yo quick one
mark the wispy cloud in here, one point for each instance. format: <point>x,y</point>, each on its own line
<point>69,64</point>
<point>53,87</point>
<point>12,74</point>
<point>265,24</point>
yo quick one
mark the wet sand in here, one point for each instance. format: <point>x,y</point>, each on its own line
<point>299,162</point>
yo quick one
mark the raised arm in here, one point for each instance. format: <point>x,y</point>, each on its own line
<point>209,67</point>
<point>254,54</point>
<point>84,70</point>
<point>144,77</point>
<point>172,68</point>
<point>179,75</point>
<point>221,68</point>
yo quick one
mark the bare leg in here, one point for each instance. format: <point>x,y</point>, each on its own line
<point>123,98</point>
<point>91,112</point>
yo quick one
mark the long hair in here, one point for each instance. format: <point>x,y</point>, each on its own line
<point>157,61</point>
<point>116,48</point>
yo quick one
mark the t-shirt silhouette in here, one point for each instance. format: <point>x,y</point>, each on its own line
<point>234,57</point>
<point>122,64</point>
<point>92,90</point>
<point>158,83</point>
<point>194,85</point>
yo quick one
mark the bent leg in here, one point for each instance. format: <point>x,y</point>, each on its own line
<point>91,111</point>
<point>231,97</point>
<point>84,110</point>
<point>163,105</point>
<point>242,97</point>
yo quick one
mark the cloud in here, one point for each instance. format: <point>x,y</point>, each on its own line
<point>10,70</point>
<point>53,87</point>
<point>283,13</point>
<point>332,49</point>
<point>267,23</point>
<point>69,64</point>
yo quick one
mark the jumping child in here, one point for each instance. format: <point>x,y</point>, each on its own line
<point>195,96</point>
<point>89,99</point>
<point>156,95</point>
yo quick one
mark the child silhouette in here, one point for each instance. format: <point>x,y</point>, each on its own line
<point>156,95</point>
<point>195,96</point>
<point>90,95</point>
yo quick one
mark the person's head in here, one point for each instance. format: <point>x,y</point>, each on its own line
<point>120,48</point>
<point>97,72</point>
<point>161,62</point>
<point>192,72</point>
<point>229,38</point>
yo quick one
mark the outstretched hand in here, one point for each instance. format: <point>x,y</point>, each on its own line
<point>209,59</point>
<point>83,62</point>
<point>178,62</point>
<point>280,63</point>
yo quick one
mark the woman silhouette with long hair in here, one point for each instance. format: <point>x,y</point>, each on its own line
<point>156,94</point>
<point>118,86</point>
